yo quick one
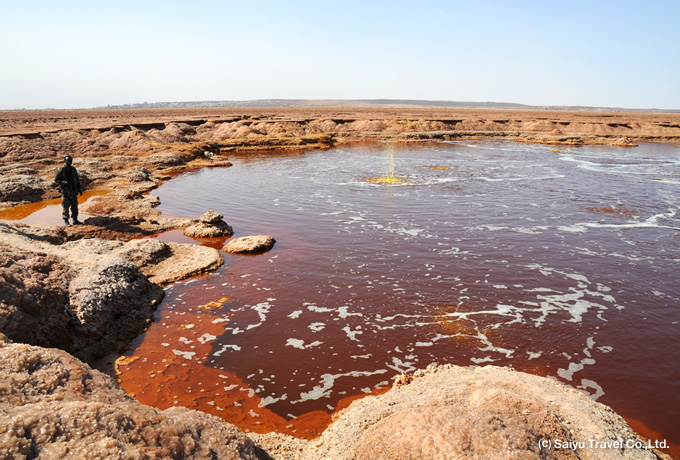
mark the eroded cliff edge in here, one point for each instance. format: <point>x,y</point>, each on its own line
<point>91,296</point>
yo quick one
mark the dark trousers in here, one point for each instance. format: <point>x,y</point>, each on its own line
<point>69,200</point>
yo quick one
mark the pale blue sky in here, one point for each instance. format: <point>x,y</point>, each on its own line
<point>73,54</point>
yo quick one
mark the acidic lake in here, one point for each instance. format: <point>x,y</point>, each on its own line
<point>561,262</point>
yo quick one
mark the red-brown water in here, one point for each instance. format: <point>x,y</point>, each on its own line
<point>47,212</point>
<point>558,263</point>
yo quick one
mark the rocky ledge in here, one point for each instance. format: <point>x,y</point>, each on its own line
<point>249,244</point>
<point>91,296</point>
<point>55,406</point>
<point>485,412</point>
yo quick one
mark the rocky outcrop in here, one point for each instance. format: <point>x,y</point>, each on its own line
<point>186,260</point>
<point>209,225</point>
<point>90,296</point>
<point>487,412</point>
<point>249,244</point>
<point>86,305</point>
<point>22,188</point>
<point>112,303</point>
<point>33,294</point>
<point>54,406</point>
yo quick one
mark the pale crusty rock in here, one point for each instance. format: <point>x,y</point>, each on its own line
<point>22,188</point>
<point>138,174</point>
<point>91,296</point>
<point>249,244</point>
<point>187,260</point>
<point>487,412</point>
<point>31,374</point>
<point>143,252</point>
<point>33,292</point>
<point>281,446</point>
<point>211,217</point>
<point>113,303</point>
<point>89,307</point>
<point>165,262</point>
<point>209,225</point>
<point>54,406</point>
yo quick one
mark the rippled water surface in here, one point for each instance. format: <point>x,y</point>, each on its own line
<point>561,263</point>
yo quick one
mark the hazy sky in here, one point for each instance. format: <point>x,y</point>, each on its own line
<point>72,54</point>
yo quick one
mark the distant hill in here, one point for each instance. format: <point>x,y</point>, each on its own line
<point>368,103</point>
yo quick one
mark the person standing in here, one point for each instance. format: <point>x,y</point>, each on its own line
<point>69,186</point>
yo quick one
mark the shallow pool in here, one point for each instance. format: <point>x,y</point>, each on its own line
<point>560,262</point>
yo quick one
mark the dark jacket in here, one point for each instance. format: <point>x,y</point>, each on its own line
<point>67,180</point>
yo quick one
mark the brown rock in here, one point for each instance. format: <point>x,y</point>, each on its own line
<point>249,244</point>
<point>139,174</point>
<point>209,225</point>
<point>211,217</point>
<point>54,406</point>
<point>187,260</point>
<point>22,188</point>
<point>85,303</point>
<point>33,293</point>
<point>488,412</point>
<point>90,296</point>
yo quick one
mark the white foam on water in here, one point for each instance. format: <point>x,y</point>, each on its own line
<point>402,366</point>
<point>352,334</point>
<point>572,302</point>
<point>328,381</point>
<point>531,230</point>
<point>266,401</point>
<point>185,354</point>
<point>227,347</point>
<point>316,309</point>
<point>298,343</point>
<point>568,374</point>
<point>586,383</point>
<point>343,312</point>
<point>205,338</point>
<point>316,327</point>
<point>491,347</point>
<point>520,178</point>
<point>575,228</point>
<point>574,367</point>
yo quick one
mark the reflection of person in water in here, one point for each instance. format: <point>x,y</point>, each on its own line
<point>69,186</point>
